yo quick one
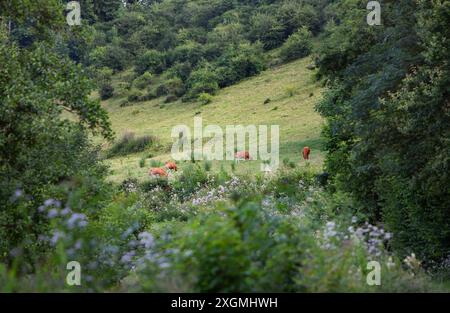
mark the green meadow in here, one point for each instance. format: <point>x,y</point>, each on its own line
<point>292,91</point>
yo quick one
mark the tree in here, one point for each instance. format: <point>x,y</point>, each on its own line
<point>387,118</point>
<point>267,29</point>
<point>298,45</point>
<point>152,61</point>
<point>38,147</point>
<point>106,10</point>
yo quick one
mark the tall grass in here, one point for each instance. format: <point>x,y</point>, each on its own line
<point>129,143</point>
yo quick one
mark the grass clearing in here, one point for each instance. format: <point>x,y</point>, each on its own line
<point>291,89</point>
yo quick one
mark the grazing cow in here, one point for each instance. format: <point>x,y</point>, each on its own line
<point>306,152</point>
<point>158,171</point>
<point>242,155</point>
<point>171,166</point>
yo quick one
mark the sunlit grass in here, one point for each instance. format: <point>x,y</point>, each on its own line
<point>292,91</point>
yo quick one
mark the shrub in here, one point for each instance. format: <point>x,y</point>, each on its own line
<point>106,91</point>
<point>190,180</point>
<point>103,75</point>
<point>111,56</point>
<point>143,81</point>
<point>129,143</point>
<point>298,45</point>
<point>190,52</point>
<point>180,70</point>
<point>266,28</point>
<point>153,183</point>
<point>207,166</point>
<point>150,95</point>
<point>240,62</point>
<point>175,86</point>
<point>161,90</point>
<point>205,98</point>
<point>134,96</point>
<point>129,185</point>
<point>203,80</point>
<point>152,61</point>
<point>170,99</point>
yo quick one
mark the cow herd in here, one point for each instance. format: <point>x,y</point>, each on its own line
<point>241,155</point>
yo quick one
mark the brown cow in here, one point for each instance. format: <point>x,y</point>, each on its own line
<point>157,171</point>
<point>171,166</point>
<point>306,152</point>
<point>242,155</point>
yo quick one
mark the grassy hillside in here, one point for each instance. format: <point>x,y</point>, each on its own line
<point>292,92</point>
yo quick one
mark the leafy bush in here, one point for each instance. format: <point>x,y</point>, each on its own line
<point>203,80</point>
<point>377,127</point>
<point>40,152</point>
<point>176,87</point>
<point>190,52</point>
<point>143,81</point>
<point>104,75</point>
<point>134,96</point>
<point>239,62</point>
<point>106,91</point>
<point>154,183</point>
<point>111,56</point>
<point>152,61</point>
<point>180,70</point>
<point>205,98</point>
<point>268,29</point>
<point>255,249</point>
<point>129,143</point>
<point>190,180</point>
<point>156,163</point>
<point>298,45</point>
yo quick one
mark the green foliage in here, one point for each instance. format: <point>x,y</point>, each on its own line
<point>156,163</point>
<point>196,231</point>
<point>129,143</point>
<point>190,180</point>
<point>203,80</point>
<point>182,40</point>
<point>298,45</point>
<point>106,91</point>
<point>111,56</point>
<point>142,162</point>
<point>268,29</point>
<point>152,61</point>
<point>42,153</point>
<point>245,248</point>
<point>239,62</point>
<point>386,119</point>
<point>106,10</point>
<point>143,81</point>
<point>174,86</point>
<point>134,96</point>
<point>148,238</point>
<point>205,98</point>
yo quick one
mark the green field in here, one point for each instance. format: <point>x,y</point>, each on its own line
<point>292,91</point>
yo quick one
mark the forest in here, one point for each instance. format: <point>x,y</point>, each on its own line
<point>86,112</point>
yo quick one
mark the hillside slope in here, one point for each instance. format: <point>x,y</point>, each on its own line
<point>291,89</point>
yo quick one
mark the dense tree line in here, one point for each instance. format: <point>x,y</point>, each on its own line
<point>181,39</point>
<point>388,118</point>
